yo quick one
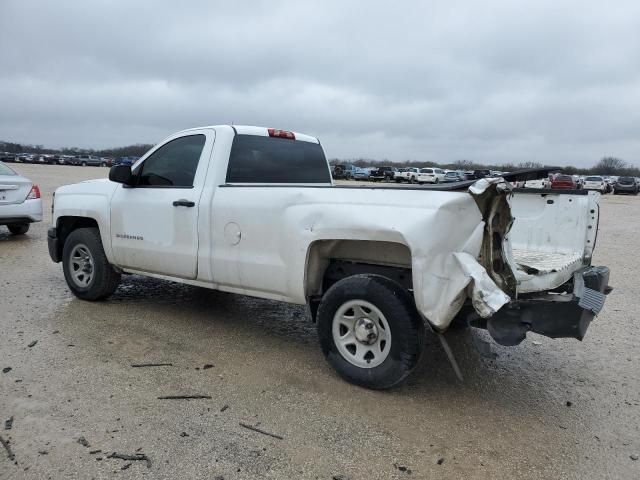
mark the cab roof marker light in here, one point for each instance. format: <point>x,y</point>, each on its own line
<point>274,132</point>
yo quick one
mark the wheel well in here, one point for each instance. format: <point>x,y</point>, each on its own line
<point>66,225</point>
<point>329,261</point>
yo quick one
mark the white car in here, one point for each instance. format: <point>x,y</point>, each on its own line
<point>595,183</point>
<point>20,202</point>
<point>431,175</point>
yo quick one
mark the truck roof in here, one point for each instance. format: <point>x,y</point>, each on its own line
<point>259,131</point>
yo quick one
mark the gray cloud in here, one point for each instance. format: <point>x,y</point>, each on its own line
<point>497,81</point>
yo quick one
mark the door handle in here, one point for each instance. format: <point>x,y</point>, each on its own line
<point>183,203</point>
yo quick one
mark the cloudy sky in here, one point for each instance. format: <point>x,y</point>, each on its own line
<point>500,81</point>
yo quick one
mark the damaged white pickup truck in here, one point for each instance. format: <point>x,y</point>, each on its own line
<point>254,211</point>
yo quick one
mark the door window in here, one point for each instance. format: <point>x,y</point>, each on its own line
<point>172,165</point>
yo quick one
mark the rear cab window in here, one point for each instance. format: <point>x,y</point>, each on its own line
<point>262,159</point>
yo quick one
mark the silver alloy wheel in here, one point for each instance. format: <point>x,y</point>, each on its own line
<point>361,334</point>
<point>81,265</point>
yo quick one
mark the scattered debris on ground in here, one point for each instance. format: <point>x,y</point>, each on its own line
<point>224,407</point>
<point>83,441</point>
<point>633,457</point>
<point>5,444</point>
<point>207,366</point>
<point>403,468</point>
<point>256,429</point>
<point>6,369</point>
<point>130,458</point>
<point>93,452</point>
<point>184,434</point>
<point>141,365</point>
<point>183,397</point>
<point>568,404</point>
<point>125,466</point>
<point>32,344</point>
<point>340,477</point>
<point>440,461</point>
<point>8,423</point>
<point>43,452</point>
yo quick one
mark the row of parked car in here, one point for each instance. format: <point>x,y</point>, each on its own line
<point>408,174</point>
<point>602,184</point>
<point>54,159</point>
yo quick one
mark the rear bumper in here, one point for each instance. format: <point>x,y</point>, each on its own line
<point>555,315</point>
<point>626,188</point>
<point>28,211</point>
<point>53,243</point>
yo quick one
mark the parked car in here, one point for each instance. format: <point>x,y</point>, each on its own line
<point>595,183</point>
<point>20,202</point>
<point>361,173</point>
<point>409,174</point>
<point>383,174</point>
<point>625,185</point>
<point>343,171</point>
<point>370,283</point>
<point>125,160</point>
<point>430,175</point>
<point>478,174</point>
<point>562,182</point>
<point>24,158</point>
<point>453,177</point>
<point>91,160</point>
<point>7,157</point>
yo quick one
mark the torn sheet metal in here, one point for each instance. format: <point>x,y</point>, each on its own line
<point>486,296</point>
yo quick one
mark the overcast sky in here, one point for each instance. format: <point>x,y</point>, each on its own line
<point>494,81</point>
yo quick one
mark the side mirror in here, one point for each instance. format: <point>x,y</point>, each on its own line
<point>121,174</point>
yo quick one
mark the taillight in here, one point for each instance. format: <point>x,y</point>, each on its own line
<point>274,132</point>
<point>34,193</point>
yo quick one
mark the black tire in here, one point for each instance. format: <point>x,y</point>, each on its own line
<point>84,164</point>
<point>104,280</point>
<point>103,164</point>
<point>437,180</point>
<point>19,229</point>
<point>406,326</point>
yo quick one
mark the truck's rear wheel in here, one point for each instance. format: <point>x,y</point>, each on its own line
<point>370,331</point>
<point>87,271</point>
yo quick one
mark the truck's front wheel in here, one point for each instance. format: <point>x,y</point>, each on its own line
<point>87,271</point>
<point>370,331</point>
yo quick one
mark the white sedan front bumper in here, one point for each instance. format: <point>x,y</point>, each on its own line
<point>28,211</point>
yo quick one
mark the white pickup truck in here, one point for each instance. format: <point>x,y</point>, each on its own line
<point>254,211</point>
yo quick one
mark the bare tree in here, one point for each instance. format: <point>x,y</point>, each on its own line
<point>610,166</point>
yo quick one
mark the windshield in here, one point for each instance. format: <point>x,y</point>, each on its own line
<point>626,180</point>
<point>593,179</point>
<point>4,170</point>
<point>564,178</point>
<point>426,170</point>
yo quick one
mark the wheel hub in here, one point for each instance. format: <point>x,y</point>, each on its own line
<point>366,331</point>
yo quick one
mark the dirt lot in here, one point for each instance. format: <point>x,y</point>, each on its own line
<point>544,409</point>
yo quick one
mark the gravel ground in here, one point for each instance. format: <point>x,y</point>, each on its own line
<point>544,409</point>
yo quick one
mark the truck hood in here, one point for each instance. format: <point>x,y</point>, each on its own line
<point>99,186</point>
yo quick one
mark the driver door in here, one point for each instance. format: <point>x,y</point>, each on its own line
<point>154,224</point>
